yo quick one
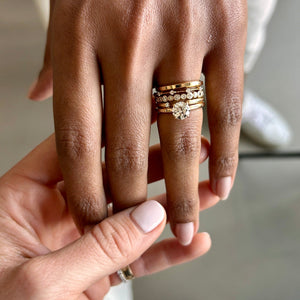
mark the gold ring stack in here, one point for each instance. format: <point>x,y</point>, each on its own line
<point>125,274</point>
<point>180,98</point>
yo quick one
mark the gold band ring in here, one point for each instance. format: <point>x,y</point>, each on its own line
<point>125,274</point>
<point>180,85</point>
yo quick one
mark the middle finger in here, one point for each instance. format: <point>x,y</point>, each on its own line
<point>127,129</point>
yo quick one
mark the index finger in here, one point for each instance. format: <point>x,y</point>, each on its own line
<point>77,115</point>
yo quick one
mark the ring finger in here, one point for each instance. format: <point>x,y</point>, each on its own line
<point>180,144</point>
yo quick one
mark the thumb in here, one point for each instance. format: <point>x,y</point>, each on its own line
<point>109,246</point>
<point>42,87</point>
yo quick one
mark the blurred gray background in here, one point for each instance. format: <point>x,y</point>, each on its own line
<point>255,233</point>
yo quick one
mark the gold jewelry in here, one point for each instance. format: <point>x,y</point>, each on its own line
<point>180,85</point>
<point>187,94</point>
<point>180,98</point>
<point>190,102</point>
<point>181,110</point>
<point>125,274</point>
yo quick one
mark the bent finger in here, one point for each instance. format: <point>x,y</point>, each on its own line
<point>41,164</point>
<point>42,87</point>
<point>166,254</point>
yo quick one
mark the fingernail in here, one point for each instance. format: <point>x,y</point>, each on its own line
<point>223,187</point>
<point>185,233</point>
<point>204,232</point>
<point>32,87</point>
<point>148,215</point>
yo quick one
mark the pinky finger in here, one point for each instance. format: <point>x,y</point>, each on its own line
<point>166,254</point>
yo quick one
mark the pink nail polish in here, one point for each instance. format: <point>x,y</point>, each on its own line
<point>185,233</point>
<point>223,187</point>
<point>148,215</point>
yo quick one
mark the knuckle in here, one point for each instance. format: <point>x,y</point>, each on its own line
<point>184,145</point>
<point>226,165</point>
<point>115,240</point>
<point>184,210</point>
<point>230,113</point>
<point>74,143</point>
<point>74,20</point>
<point>89,210</point>
<point>233,14</point>
<point>127,159</point>
<point>230,21</point>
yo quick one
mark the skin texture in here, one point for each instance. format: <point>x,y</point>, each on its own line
<point>42,255</point>
<point>129,47</point>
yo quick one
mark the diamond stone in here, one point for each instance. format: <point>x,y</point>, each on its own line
<point>200,93</point>
<point>172,92</point>
<point>195,94</point>
<point>183,96</point>
<point>188,90</point>
<point>167,104</point>
<point>177,97</point>
<point>181,110</point>
<point>165,98</point>
<point>170,98</point>
<point>189,96</point>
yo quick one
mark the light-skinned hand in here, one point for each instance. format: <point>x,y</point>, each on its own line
<point>43,256</point>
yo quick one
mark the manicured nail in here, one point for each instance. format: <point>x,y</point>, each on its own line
<point>32,88</point>
<point>148,215</point>
<point>185,233</point>
<point>223,187</point>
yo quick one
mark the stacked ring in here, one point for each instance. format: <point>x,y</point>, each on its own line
<point>179,99</point>
<point>125,274</point>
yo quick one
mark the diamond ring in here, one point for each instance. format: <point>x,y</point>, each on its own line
<point>179,99</point>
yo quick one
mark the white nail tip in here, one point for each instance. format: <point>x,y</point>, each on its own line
<point>148,215</point>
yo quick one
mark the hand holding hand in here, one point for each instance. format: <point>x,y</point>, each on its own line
<point>129,46</point>
<point>42,255</point>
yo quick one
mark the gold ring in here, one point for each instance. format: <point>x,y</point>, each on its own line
<point>172,95</point>
<point>174,91</point>
<point>179,98</point>
<point>125,274</point>
<point>190,102</point>
<point>181,110</point>
<point>180,85</point>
